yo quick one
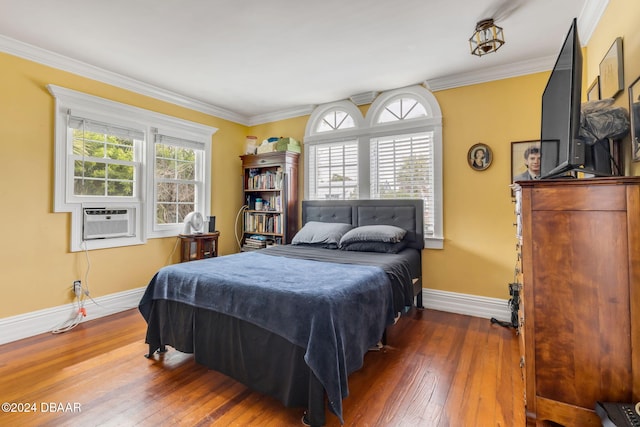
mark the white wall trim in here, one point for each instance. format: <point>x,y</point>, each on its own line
<point>38,322</point>
<point>471,305</point>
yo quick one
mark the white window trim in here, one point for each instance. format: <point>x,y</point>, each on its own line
<point>163,230</point>
<point>366,128</point>
<point>81,104</point>
<point>311,135</point>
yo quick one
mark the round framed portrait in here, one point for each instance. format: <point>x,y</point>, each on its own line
<point>479,157</point>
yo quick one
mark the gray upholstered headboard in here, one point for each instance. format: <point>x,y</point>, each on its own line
<point>404,213</point>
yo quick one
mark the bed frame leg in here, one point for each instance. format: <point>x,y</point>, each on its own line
<point>314,416</point>
<point>419,300</point>
<point>159,350</point>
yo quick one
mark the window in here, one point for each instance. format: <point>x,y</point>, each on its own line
<point>402,167</point>
<point>115,156</point>
<point>393,152</point>
<point>335,175</point>
<point>335,119</point>
<point>401,109</point>
<point>178,171</point>
<point>105,159</point>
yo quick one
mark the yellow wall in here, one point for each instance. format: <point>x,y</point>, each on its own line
<point>36,267</point>
<point>619,20</point>
<point>479,251</point>
<point>478,256</point>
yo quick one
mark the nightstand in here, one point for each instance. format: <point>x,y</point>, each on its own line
<point>198,246</point>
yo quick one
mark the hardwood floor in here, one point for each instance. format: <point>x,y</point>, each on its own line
<point>438,369</point>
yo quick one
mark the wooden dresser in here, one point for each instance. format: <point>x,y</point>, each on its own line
<point>580,296</point>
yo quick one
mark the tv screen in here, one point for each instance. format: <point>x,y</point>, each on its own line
<point>561,150</point>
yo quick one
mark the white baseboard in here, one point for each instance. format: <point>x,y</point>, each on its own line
<point>26,325</point>
<point>37,322</point>
<point>472,305</point>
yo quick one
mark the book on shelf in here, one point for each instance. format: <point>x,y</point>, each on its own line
<point>270,202</point>
<point>259,222</point>
<point>267,180</point>
<point>257,241</point>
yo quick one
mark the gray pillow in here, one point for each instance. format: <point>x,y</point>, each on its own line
<point>374,233</point>
<point>324,234</point>
<point>381,247</point>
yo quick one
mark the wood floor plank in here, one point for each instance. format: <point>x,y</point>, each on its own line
<point>438,369</point>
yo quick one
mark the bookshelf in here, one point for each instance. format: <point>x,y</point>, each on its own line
<point>270,189</point>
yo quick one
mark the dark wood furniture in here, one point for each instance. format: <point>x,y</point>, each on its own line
<point>272,178</point>
<point>198,246</point>
<point>581,296</point>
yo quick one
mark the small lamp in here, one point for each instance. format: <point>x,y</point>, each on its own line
<point>487,38</point>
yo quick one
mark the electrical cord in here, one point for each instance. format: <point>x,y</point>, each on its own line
<point>173,251</point>
<point>80,312</point>
<point>242,209</point>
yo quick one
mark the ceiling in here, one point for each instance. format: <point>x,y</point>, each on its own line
<point>253,60</point>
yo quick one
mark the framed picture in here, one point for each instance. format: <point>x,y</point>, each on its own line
<point>525,160</point>
<point>479,157</point>
<point>593,93</point>
<point>612,71</point>
<point>634,115</point>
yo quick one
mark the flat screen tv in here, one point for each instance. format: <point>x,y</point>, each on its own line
<point>561,150</point>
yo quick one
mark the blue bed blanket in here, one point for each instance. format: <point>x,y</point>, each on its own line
<point>336,312</point>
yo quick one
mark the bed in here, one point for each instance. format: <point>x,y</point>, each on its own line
<point>293,321</point>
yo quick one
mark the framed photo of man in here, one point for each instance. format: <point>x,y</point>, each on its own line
<point>525,160</point>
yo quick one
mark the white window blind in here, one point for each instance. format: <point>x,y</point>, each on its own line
<point>334,170</point>
<point>402,167</point>
<point>178,176</point>
<point>395,151</point>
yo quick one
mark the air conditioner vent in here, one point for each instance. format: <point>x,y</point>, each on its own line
<point>106,223</point>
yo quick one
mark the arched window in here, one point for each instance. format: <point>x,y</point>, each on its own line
<point>331,147</point>
<point>334,120</point>
<point>394,152</point>
<point>403,108</point>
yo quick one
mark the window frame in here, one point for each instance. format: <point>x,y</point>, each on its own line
<point>203,180</point>
<point>91,107</point>
<point>71,197</point>
<point>368,128</point>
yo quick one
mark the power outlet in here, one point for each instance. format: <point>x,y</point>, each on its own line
<point>77,287</point>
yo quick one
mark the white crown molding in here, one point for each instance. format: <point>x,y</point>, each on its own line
<point>589,18</point>
<point>588,21</point>
<point>491,74</point>
<point>290,113</point>
<point>42,321</point>
<point>61,62</point>
<point>42,56</point>
<point>364,98</point>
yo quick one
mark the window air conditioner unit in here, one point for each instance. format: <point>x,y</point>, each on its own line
<point>107,223</point>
